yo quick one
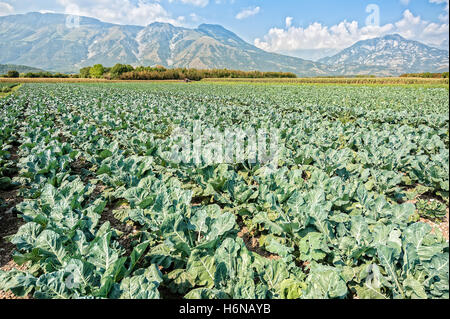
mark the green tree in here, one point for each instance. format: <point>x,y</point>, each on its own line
<point>120,69</point>
<point>97,71</point>
<point>13,74</point>
<point>85,72</point>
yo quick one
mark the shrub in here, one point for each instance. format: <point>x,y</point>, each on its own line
<point>13,74</point>
<point>119,69</point>
<point>426,75</point>
<point>45,75</point>
<point>97,71</point>
<point>161,73</point>
<point>85,72</point>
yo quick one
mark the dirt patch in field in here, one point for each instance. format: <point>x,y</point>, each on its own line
<point>98,191</point>
<point>81,168</point>
<point>9,222</point>
<point>205,201</point>
<point>108,216</point>
<point>252,244</point>
<point>443,227</point>
<point>10,295</point>
<point>8,267</point>
<point>128,231</point>
<point>198,201</point>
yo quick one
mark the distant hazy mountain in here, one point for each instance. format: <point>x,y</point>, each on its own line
<point>311,54</point>
<point>389,55</point>
<point>4,68</point>
<point>45,41</point>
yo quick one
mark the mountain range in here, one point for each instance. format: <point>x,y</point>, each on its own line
<point>392,54</point>
<point>48,41</point>
<point>4,68</point>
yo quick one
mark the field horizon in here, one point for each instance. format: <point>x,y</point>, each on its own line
<point>316,80</point>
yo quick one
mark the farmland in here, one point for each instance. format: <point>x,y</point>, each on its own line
<point>96,201</point>
<point>396,81</point>
<point>6,88</point>
<point>393,81</point>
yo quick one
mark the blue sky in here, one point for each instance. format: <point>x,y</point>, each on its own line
<point>296,27</point>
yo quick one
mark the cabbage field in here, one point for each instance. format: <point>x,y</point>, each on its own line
<point>105,209</point>
<point>7,87</point>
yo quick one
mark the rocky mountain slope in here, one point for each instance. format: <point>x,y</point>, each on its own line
<point>47,41</point>
<point>388,55</point>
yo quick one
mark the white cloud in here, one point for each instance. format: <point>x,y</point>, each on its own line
<point>405,2</point>
<point>195,17</point>
<point>5,9</point>
<point>317,36</point>
<point>444,16</point>
<point>246,13</point>
<point>120,11</point>
<point>289,21</point>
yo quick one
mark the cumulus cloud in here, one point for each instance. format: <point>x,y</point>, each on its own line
<point>249,12</point>
<point>5,9</point>
<point>317,36</point>
<point>289,21</point>
<point>120,11</point>
<point>443,16</point>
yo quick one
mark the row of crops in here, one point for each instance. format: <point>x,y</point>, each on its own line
<point>7,87</point>
<point>107,215</point>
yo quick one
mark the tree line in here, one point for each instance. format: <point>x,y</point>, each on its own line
<point>15,74</point>
<point>128,72</point>
<point>426,75</point>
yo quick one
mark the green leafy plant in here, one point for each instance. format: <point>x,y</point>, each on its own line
<point>431,209</point>
<point>108,214</point>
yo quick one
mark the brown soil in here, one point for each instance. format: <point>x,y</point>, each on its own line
<point>128,231</point>
<point>9,222</point>
<point>107,216</point>
<point>10,295</point>
<point>7,294</point>
<point>442,226</point>
<point>99,189</point>
<point>252,244</point>
<point>9,225</point>
<point>202,200</point>
<point>80,167</point>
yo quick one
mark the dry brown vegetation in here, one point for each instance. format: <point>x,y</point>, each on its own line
<point>393,80</point>
<point>375,81</point>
